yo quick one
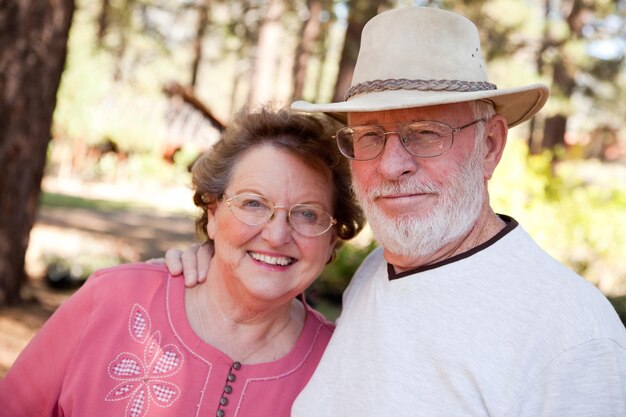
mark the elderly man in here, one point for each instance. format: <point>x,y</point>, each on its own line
<point>459,313</point>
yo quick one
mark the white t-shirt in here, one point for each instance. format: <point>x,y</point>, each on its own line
<point>502,330</point>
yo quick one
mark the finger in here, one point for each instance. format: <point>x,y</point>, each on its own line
<point>204,254</point>
<point>172,261</point>
<point>190,268</point>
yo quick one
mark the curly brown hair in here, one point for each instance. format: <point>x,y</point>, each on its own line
<point>306,136</point>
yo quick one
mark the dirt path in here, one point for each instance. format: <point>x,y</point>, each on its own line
<point>149,233</point>
<point>120,236</point>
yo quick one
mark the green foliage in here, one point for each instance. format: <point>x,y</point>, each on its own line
<point>114,92</point>
<point>619,303</point>
<point>575,210</point>
<point>63,273</point>
<point>330,310</point>
<point>83,85</point>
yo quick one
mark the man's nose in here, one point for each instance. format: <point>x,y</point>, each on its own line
<point>395,161</point>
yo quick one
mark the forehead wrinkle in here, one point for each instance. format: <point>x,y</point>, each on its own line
<point>447,113</point>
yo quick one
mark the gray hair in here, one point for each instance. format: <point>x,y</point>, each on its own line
<point>481,109</point>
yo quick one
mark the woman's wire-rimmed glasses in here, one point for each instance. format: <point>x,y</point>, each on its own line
<point>256,210</point>
<point>424,139</point>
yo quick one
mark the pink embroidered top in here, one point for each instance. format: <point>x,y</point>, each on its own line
<point>122,346</point>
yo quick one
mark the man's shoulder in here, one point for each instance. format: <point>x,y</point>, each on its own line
<point>375,257</point>
<point>371,264</point>
<point>550,289</point>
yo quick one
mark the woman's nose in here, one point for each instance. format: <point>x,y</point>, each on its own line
<point>277,231</point>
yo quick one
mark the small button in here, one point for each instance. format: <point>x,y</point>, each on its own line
<point>224,401</point>
<point>220,413</point>
<point>237,365</point>
<point>228,389</point>
<point>232,377</point>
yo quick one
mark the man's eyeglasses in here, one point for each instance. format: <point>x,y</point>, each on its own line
<point>255,210</point>
<point>424,139</point>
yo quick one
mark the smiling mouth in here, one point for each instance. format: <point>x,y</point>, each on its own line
<point>272,260</point>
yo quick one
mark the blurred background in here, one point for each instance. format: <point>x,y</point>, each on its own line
<point>106,104</point>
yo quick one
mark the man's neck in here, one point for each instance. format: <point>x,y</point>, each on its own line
<point>486,226</point>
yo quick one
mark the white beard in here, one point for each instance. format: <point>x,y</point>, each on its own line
<point>460,200</point>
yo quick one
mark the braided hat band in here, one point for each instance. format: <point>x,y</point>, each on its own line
<point>420,85</point>
<point>413,57</point>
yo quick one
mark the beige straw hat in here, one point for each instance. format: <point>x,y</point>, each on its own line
<point>421,56</point>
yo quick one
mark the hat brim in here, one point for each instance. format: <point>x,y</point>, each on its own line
<point>516,105</point>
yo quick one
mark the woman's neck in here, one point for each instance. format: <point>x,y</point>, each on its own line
<point>248,335</point>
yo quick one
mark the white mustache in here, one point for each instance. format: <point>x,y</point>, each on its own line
<point>400,188</point>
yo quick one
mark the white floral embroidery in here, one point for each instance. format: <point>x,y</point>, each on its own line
<point>139,323</point>
<point>143,379</point>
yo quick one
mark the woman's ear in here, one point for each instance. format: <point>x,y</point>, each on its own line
<point>211,226</point>
<point>335,244</point>
<point>496,130</point>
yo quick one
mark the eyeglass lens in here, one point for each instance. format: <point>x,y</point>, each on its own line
<point>255,210</point>
<point>422,139</point>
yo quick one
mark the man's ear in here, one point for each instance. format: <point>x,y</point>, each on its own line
<point>496,131</point>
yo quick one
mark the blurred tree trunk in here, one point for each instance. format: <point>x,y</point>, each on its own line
<point>103,20</point>
<point>33,47</point>
<point>308,36</point>
<point>360,11</point>
<point>283,87</point>
<point>203,21</point>
<point>555,58</point>
<point>321,91</point>
<point>554,132</point>
<point>555,126</point>
<point>266,55</point>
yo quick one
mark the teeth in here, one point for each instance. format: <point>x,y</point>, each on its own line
<point>272,260</point>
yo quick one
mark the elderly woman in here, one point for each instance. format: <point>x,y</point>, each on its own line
<point>133,341</point>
